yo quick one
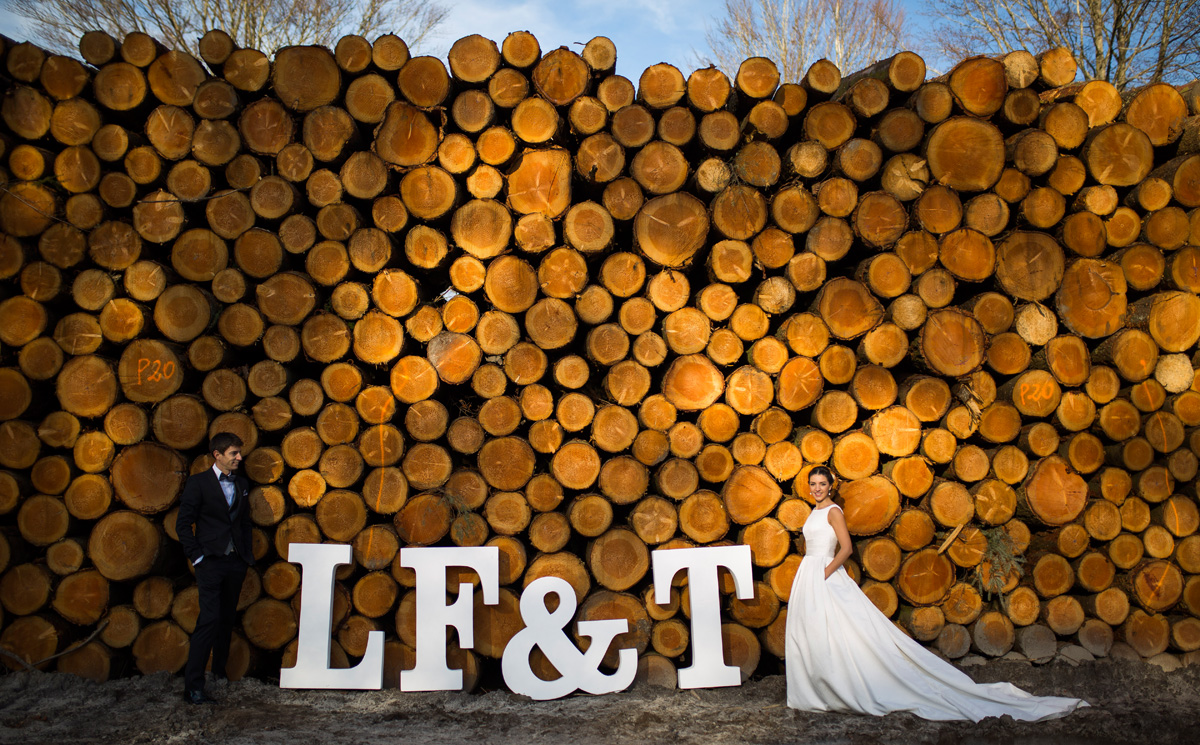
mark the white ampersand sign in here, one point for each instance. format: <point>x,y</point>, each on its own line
<point>545,629</point>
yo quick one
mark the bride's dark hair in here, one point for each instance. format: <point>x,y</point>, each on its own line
<point>822,471</point>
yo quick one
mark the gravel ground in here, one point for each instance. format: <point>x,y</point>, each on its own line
<point>1132,702</point>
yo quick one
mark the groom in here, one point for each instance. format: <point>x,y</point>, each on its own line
<point>214,529</point>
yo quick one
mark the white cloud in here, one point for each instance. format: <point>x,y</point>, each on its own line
<point>12,25</point>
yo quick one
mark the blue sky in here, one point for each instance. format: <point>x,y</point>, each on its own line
<point>645,31</point>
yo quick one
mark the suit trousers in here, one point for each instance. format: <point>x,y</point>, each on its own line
<point>219,581</point>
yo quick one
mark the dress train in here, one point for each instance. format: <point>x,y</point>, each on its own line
<point>844,655</point>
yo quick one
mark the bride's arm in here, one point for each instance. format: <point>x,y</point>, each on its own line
<point>838,522</point>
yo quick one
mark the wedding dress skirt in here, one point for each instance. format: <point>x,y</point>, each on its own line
<point>844,655</point>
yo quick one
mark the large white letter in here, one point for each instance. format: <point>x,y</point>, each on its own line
<point>318,562</point>
<point>434,616</point>
<point>708,669</point>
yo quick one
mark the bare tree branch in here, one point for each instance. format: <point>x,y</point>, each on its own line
<point>258,24</point>
<point>795,33</point>
<point>67,651</point>
<point>1129,43</point>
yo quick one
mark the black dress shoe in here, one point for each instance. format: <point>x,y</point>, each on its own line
<point>196,697</point>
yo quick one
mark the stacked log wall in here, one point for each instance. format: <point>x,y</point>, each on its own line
<point>522,301</point>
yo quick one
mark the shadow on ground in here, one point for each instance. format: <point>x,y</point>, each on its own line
<point>1131,703</point>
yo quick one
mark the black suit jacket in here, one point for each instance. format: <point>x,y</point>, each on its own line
<point>206,523</point>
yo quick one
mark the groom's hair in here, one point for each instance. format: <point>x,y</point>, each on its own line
<point>222,441</point>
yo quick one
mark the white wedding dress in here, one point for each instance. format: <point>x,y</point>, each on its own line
<point>844,655</point>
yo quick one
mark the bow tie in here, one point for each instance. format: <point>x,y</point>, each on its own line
<point>226,477</point>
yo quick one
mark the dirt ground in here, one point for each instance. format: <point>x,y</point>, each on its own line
<point>1132,702</point>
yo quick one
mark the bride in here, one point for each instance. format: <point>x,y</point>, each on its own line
<point>844,655</point>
